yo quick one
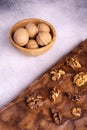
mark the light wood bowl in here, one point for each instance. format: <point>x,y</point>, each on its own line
<point>34,52</point>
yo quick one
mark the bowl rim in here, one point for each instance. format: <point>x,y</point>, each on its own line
<point>28,20</point>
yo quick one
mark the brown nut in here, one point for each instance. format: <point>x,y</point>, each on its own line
<point>42,27</point>
<point>54,93</point>
<point>56,74</point>
<point>76,111</point>
<point>32,44</point>
<point>34,101</point>
<point>43,38</point>
<point>73,63</point>
<point>72,96</point>
<point>21,36</point>
<point>80,79</point>
<point>57,117</point>
<point>32,29</point>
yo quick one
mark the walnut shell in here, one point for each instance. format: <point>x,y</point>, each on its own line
<point>32,44</point>
<point>32,29</point>
<point>21,36</point>
<point>43,27</point>
<point>43,38</point>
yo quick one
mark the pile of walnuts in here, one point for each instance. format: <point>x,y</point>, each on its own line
<point>33,36</point>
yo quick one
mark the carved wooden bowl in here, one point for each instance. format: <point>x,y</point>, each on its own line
<point>34,52</point>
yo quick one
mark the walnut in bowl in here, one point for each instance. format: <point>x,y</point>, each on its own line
<point>44,44</point>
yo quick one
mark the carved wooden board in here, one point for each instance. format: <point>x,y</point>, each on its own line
<point>56,101</point>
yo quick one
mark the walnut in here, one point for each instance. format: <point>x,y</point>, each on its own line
<point>32,29</point>
<point>56,74</point>
<point>73,63</point>
<point>21,36</point>
<point>57,118</point>
<point>54,93</point>
<point>80,79</point>
<point>43,38</point>
<point>76,111</point>
<point>34,101</point>
<point>72,96</point>
<point>32,44</point>
<point>42,27</point>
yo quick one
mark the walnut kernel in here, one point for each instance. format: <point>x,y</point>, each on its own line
<point>54,93</point>
<point>80,79</point>
<point>56,74</point>
<point>57,118</point>
<point>73,63</point>
<point>76,111</point>
<point>34,101</point>
<point>72,96</point>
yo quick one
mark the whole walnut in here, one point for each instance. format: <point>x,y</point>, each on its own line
<point>32,44</point>
<point>43,27</point>
<point>43,38</point>
<point>32,29</point>
<point>21,36</point>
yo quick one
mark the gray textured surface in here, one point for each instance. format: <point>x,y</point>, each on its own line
<point>17,71</point>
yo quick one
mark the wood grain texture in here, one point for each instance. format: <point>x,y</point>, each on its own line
<point>18,116</point>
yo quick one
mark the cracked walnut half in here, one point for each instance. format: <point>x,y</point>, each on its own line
<point>56,74</point>
<point>73,63</point>
<point>80,79</point>
<point>76,111</point>
<point>54,93</point>
<point>34,101</point>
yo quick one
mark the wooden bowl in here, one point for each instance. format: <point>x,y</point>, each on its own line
<point>34,52</point>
